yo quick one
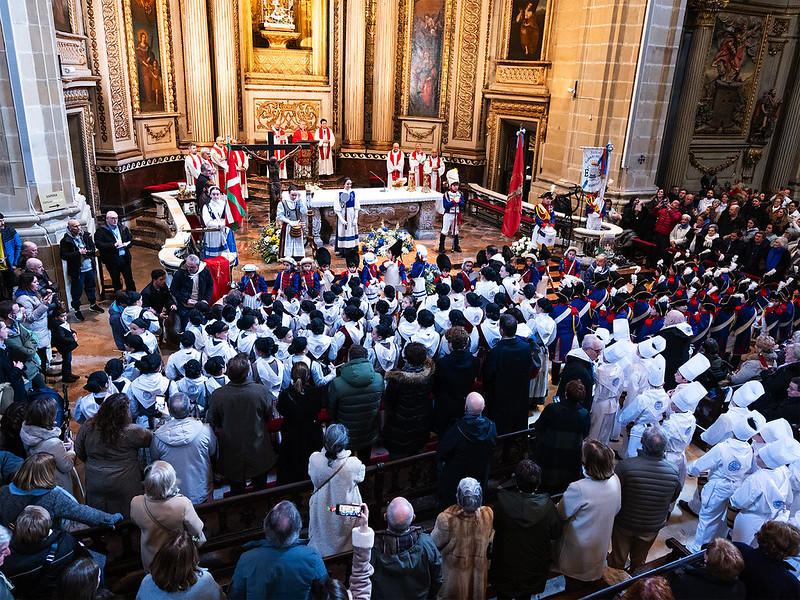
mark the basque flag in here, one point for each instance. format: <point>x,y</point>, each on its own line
<point>235,208</point>
<point>513,212</point>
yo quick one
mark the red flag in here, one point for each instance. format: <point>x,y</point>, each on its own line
<point>513,213</point>
<point>235,208</point>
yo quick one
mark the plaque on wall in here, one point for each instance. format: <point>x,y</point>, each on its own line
<point>53,201</point>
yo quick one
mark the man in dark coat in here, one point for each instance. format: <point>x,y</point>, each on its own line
<point>754,254</point>
<point>560,431</point>
<point>525,523</point>
<point>506,379</point>
<point>239,411</point>
<point>453,380</point>
<point>678,334</point>
<point>77,250</point>
<point>465,450</point>
<point>650,484</point>
<point>191,284</point>
<point>156,294</point>
<point>579,366</point>
<point>113,241</point>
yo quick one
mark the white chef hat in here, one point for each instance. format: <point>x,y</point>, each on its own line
<point>779,453</point>
<point>649,348</point>
<point>694,367</point>
<point>603,334</point>
<point>747,394</point>
<point>622,329</point>
<point>777,429</point>
<point>655,371</point>
<point>452,177</point>
<point>743,429</point>
<point>688,397</point>
<point>615,352</point>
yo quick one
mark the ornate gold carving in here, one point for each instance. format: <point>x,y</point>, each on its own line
<point>775,47</point>
<point>467,68</point>
<point>287,114</point>
<point>706,11</point>
<point>419,133</point>
<point>74,96</point>
<point>780,26</point>
<point>166,36</point>
<point>752,156</point>
<point>280,61</point>
<point>116,78</point>
<point>521,74</point>
<point>101,111</point>
<point>716,168</point>
<point>499,110</point>
<point>156,133</point>
<point>335,82</point>
<point>369,65</point>
<point>403,50</point>
<point>71,51</point>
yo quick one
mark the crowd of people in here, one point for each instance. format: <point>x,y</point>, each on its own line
<point>385,358</point>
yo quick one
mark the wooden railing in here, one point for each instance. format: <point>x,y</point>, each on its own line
<point>231,522</point>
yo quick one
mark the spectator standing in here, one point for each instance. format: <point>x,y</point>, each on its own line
<point>506,379</point>
<point>579,366</point>
<point>22,347</point>
<point>239,411</point>
<point>301,430</point>
<point>41,434</point>
<point>650,484</point>
<point>525,523</point>
<point>65,341</point>
<point>189,446</point>
<point>353,401</point>
<point>335,475</point>
<point>667,215</point>
<point>192,283</point>
<point>681,234</point>
<point>463,534</point>
<point>560,431</point>
<point>161,510</point>
<point>588,508</point>
<point>406,561</point>
<point>730,220</point>
<point>408,403</point>
<point>10,248</point>
<point>113,241</point>
<point>108,444</point>
<point>176,573</point>
<point>678,335</point>
<point>465,450</point>
<point>77,249</point>
<point>453,379</point>
<point>36,306</point>
<point>280,566</point>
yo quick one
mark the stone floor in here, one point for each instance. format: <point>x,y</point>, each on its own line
<point>96,345</point>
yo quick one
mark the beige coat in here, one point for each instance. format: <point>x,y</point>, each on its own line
<point>165,516</point>
<point>463,539</point>
<point>328,532</point>
<point>588,507</point>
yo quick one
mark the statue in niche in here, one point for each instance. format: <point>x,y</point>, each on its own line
<point>765,116</point>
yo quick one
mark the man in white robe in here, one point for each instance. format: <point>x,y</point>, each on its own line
<point>192,164</point>
<point>434,167</point>
<point>416,165</point>
<point>395,163</point>
<point>219,158</point>
<point>326,141</point>
<point>280,137</point>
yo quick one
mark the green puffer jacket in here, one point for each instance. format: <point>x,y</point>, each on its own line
<point>353,400</point>
<point>25,343</point>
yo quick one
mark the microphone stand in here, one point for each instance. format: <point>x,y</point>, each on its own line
<point>385,185</point>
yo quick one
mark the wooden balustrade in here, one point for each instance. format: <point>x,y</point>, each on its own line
<point>231,522</point>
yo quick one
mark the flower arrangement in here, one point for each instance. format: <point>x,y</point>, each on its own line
<point>268,243</point>
<point>431,273</point>
<point>379,240</point>
<point>524,245</point>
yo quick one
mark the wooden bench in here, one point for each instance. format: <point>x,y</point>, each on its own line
<point>232,522</point>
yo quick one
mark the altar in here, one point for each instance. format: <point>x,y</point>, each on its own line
<point>414,211</point>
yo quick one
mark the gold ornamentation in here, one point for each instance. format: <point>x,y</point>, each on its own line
<point>752,156</point>
<point>467,68</point>
<point>73,96</point>
<point>775,47</point>
<point>335,82</point>
<point>101,111</point>
<point>369,65</point>
<point>287,114</point>
<point>706,11</point>
<point>116,78</point>
<point>780,26</point>
<point>280,61</point>
<point>157,134</point>
<point>72,51</point>
<point>403,50</point>
<point>418,133</point>
<point>521,74</point>
<point>715,169</point>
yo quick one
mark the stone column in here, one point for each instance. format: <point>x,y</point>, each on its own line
<point>705,17</point>
<point>354,56</point>
<point>225,66</point>
<point>383,74</point>
<point>197,68</point>
<point>785,154</point>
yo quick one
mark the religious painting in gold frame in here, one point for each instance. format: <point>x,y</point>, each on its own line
<point>427,57</point>
<point>527,27</point>
<point>149,58</point>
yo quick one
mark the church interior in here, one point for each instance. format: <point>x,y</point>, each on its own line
<point>101,100</point>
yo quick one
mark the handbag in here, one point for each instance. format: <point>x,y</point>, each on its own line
<point>195,538</point>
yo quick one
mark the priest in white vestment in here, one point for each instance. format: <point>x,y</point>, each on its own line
<point>434,166</point>
<point>280,137</point>
<point>416,165</point>
<point>192,164</point>
<point>219,158</point>
<point>326,141</point>
<point>395,163</point>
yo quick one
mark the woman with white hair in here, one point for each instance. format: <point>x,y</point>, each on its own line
<point>162,510</point>
<point>463,533</point>
<point>5,584</point>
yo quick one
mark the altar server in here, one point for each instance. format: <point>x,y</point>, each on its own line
<point>395,164</point>
<point>434,168</point>
<point>454,204</point>
<point>416,165</point>
<point>346,207</point>
<point>290,213</point>
<point>326,141</point>
<point>192,164</point>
